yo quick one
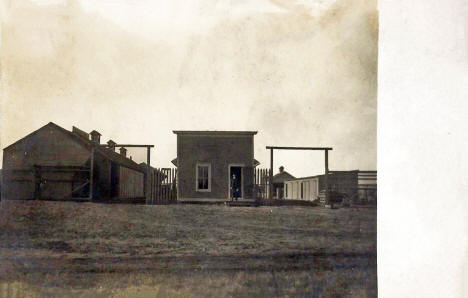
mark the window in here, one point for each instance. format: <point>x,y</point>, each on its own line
<point>302,190</point>
<point>203,182</point>
<point>285,190</point>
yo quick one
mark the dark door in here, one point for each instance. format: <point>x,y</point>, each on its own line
<point>236,182</point>
<point>114,187</point>
<point>280,192</point>
<point>80,185</point>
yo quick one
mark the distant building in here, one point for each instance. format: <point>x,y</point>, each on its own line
<point>54,163</point>
<point>361,186</point>
<point>305,188</point>
<point>278,182</point>
<point>215,165</point>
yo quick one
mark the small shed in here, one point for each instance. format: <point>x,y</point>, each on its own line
<point>357,185</point>
<point>305,188</point>
<point>278,182</point>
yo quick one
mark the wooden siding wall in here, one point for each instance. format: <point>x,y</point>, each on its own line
<point>219,152</point>
<point>46,182</point>
<point>131,183</point>
<point>341,181</point>
<point>56,186</point>
<point>309,189</point>
<point>367,186</point>
<point>47,147</point>
<point>18,184</point>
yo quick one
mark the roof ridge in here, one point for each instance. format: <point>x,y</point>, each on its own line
<point>33,132</point>
<point>105,151</point>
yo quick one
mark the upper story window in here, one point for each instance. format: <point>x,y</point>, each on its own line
<point>203,179</point>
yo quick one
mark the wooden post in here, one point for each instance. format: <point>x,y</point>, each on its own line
<point>147,189</point>
<point>172,185</point>
<point>91,175</point>
<point>159,190</point>
<point>327,195</point>
<point>151,187</point>
<point>271,176</point>
<point>164,189</point>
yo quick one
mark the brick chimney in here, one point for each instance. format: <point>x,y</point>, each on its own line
<point>111,144</point>
<point>123,151</point>
<point>95,137</point>
<point>281,169</point>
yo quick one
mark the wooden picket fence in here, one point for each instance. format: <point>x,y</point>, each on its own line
<point>163,186</point>
<point>261,185</point>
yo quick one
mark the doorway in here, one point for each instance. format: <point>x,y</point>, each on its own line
<point>235,182</point>
<point>114,181</point>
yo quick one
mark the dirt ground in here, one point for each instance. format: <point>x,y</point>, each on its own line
<point>62,249</point>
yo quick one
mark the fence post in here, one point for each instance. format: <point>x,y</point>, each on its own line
<point>173,185</point>
<point>156,190</point>
<point>327,195</point>
<point>165,188</point>
<point>270,188</point>
<point>160,173</point>
<point>91,175</point>
<point>148,167</point>
<point>254,193</point>
<point>152,187</point>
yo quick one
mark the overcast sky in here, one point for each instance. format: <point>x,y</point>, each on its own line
<point>302,73</point>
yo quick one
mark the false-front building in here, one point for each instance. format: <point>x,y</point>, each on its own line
<point>215,165</point>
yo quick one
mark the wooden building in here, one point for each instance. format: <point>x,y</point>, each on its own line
<point>361,186</point>
<point>305,188</point>
<point>57,164</point>
<point>367,186</point>
<point>215,165</point>
<point>278,182</point>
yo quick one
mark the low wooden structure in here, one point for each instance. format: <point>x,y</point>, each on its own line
<point>305,188</point>
<point>359,186</point>
<point>325,149</point>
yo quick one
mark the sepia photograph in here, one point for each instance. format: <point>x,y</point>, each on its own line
<point>189,148</point>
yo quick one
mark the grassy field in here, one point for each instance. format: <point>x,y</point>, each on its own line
<point>65,249</point>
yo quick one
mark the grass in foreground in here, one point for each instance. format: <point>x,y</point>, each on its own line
<point>97,250</point>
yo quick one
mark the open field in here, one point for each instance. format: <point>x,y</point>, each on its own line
<point>98,250</point>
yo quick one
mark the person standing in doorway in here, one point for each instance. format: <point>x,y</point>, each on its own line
<point>234,188</point>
